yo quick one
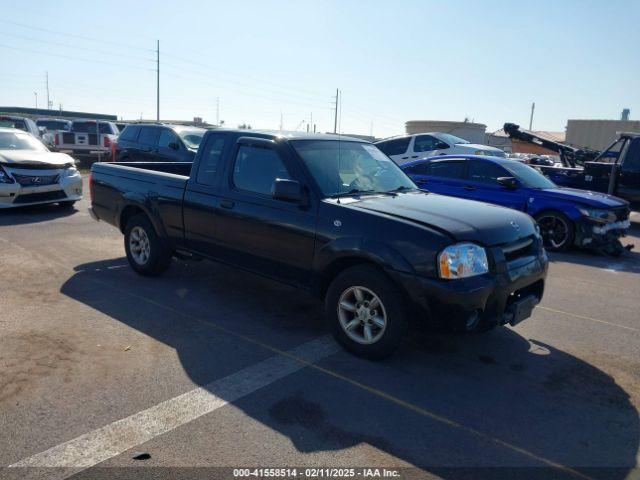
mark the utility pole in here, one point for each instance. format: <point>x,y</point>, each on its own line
<point>280,120</point>
<point>533,107</point>
<point>335,118</point>
<point>158,81</point>
<point>48,101</point>
<point>36,94</point>
<point>217,111</point>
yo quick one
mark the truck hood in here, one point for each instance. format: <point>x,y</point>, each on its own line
<point>463,220</point>
<point>584,197</point>
<point>17,158</point>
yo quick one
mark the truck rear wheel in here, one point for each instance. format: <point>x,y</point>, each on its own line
<point>146,252</point>
<point>366,312</point>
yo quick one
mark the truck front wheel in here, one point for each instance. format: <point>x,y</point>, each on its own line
<point>366,312</point>
<point>146,252</point>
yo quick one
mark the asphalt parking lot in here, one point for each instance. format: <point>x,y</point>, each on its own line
<point>209,367</point>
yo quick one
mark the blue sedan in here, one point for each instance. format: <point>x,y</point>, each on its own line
<point>566,216</point>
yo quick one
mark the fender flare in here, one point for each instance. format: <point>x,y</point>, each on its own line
<point>131,199</point>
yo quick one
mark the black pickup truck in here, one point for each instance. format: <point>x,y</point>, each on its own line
<point>335,216</point>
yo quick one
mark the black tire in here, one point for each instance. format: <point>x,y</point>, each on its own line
<point>558,231</point>
<point>159,256</point>
<point>68,205</point>
<point>393,307</point>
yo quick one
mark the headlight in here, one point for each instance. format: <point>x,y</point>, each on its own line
<point>598,215</point>
<point>462,260</point>
<point>4,177</point>
<point>70,171</point>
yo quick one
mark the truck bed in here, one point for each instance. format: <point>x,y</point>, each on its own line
<point>158,185</point>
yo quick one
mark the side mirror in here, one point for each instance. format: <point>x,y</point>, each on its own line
<point>287,190</point>
<point>42,130</point>
<point>508,182</point>
<point>174,146</point>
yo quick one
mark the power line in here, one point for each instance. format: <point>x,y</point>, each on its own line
<point>72,35</point>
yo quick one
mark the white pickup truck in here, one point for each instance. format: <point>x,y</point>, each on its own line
<point>87,140</point>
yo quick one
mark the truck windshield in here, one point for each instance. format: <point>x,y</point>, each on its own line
<point>20,141</point>
<point>191,137</point>
<point>451,139</point>
<point>340,167</point>
<point>529,176</point>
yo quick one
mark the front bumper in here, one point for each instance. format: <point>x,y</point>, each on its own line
<point>496,298</point>
<point>67,188</point>
<point>602,237</point>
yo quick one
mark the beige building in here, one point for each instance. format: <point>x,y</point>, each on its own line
<point>598,134</point>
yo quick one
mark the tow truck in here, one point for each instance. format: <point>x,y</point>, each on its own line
<point>615,170</point>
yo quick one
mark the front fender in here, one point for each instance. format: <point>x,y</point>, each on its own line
<point>359,248</point>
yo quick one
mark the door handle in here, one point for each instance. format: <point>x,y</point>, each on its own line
<point>414,156</point>
<point>404,158</point>
<point>469,187</point>
<point>227,204</point>
<point>152,195</point>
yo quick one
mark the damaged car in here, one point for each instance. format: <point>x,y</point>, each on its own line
<point>30,174</point>
<point>567,217</point>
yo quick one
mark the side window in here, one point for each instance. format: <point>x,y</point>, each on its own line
<point>425,143</point>
<point>631,160</point>
<point>167,136</point>
<point>130,133</point>
<point>256,169</point>
<point>485,172</point>
<point>210,159</point>
<point>419,169</point>
<point>446,169</point>
<point>148,136</point>
<point>397,146</point>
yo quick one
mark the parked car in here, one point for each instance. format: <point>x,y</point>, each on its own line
<point>566,216</point>
<point>155,142</point>
<point>54,124</point>
<point>421,145</point>
<point>87,139</point>
<point>28,125</point>
<point>31,174</point>
<point>335,216</point>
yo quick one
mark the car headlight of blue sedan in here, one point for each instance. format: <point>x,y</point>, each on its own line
<point>598,215</point>
<point>462,260</point>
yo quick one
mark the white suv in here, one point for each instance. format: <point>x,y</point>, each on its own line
<point>411,147</point>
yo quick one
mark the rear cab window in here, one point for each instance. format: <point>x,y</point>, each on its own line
<point>92,127</point>
<point>210,155</point>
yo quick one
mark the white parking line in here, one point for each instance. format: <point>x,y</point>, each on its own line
<point>106,442</point>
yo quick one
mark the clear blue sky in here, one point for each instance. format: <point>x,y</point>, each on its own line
<point>393,60</point>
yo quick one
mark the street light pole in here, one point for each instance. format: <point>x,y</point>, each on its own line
<point>36,95</point>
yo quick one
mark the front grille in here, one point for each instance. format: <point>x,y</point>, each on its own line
<point>520,248</point>
<point>36,180</point>
<point>93,139</point>
<point>40,197</point>
<point>68,138</point>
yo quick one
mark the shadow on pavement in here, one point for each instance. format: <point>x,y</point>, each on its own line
<point>33,214</point>
<point>509,388</point>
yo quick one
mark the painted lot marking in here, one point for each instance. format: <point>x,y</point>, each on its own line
<point>584,317</point>
<point>106,442</point>
<point>87,450</point>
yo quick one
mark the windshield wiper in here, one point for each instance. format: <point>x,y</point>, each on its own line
<point>401,188</point>
<point>352,193</point>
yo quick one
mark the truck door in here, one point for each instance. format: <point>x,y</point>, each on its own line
<point>202,199</point>
<point>256,231</point>
<point>628,186</point>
